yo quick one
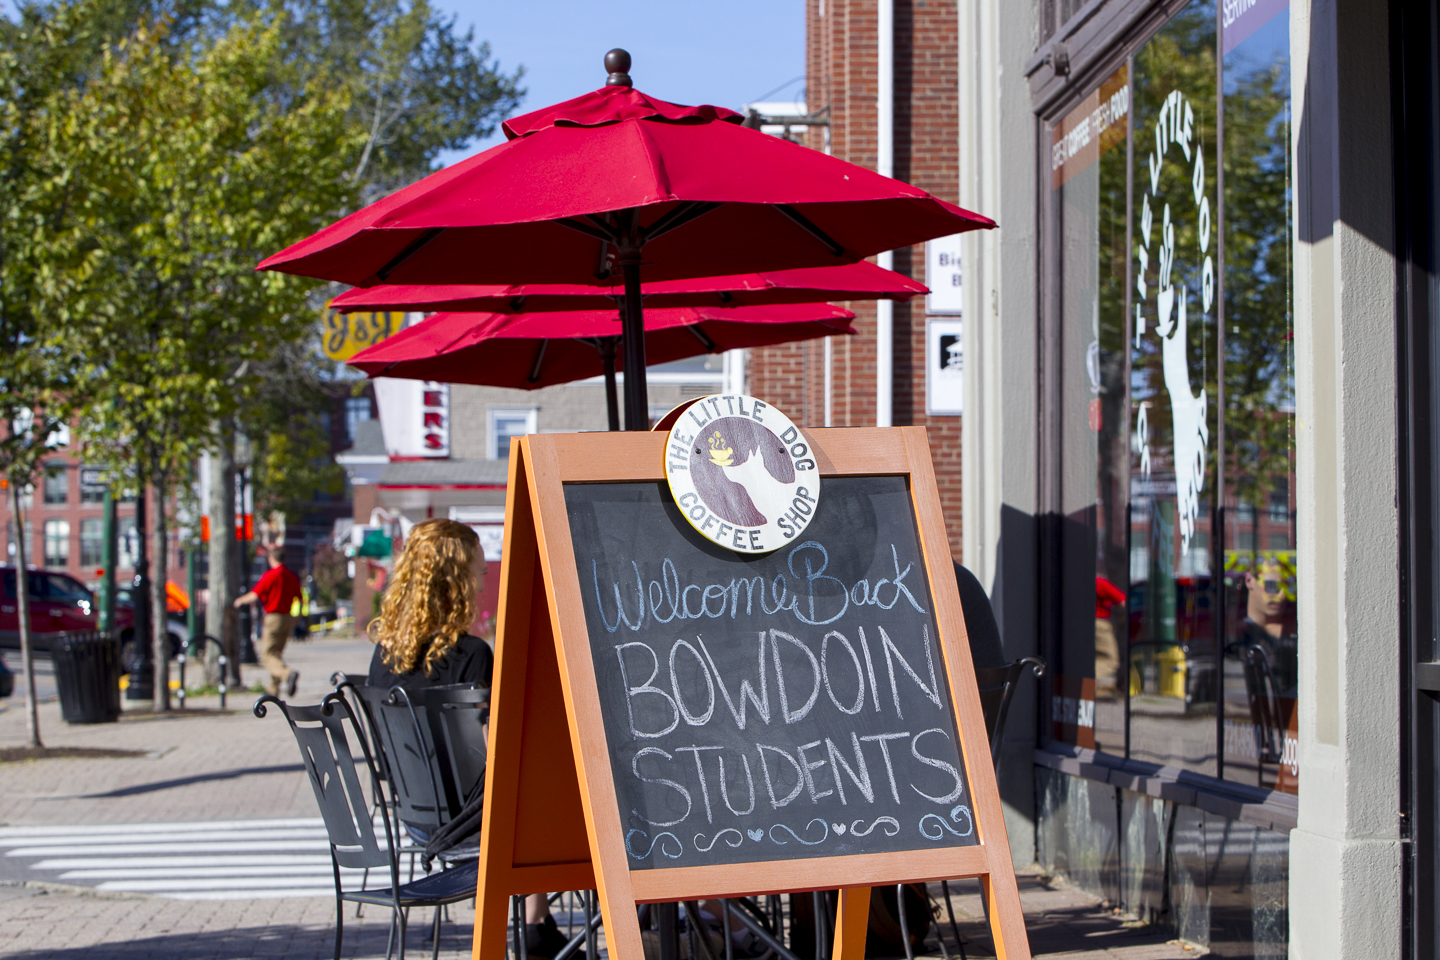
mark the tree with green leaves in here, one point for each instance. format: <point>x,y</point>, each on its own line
<point>154,151</point>
<point>188,161</point>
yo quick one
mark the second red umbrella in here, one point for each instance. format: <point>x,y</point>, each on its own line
<point>536,350</point>
<point>854,281</point>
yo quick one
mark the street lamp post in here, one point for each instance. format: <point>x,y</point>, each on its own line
<point>109,556</point>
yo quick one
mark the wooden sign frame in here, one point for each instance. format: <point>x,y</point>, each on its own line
<point>544,832</point>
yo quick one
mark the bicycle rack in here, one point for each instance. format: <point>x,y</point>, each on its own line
<point>201,640</point>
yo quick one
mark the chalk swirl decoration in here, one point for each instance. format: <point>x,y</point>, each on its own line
<point>892,827</point>
<point>659,837</point>
<point>824,833</point>
<point>704,847</point>
<point>959,813</point>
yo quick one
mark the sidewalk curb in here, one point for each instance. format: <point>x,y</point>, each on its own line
<point>73,890</point>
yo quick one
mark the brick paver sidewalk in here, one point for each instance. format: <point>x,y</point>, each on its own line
<point>204,765</point>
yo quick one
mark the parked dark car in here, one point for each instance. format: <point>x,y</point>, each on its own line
<point>61,604</point>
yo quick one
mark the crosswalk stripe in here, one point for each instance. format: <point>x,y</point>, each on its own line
<point>212,837</point>
<point>203,826</point>
<point>188,860</point>
<point>147,873</point>
<point>275,894</point>
<point>224,860</point>
<point>121,849</point>
<point>324,884</point>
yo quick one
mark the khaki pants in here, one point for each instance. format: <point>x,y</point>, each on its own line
<point>1107,657</point>
<point>273,636</point>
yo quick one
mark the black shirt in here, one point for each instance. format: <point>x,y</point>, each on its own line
<point>469,661</point>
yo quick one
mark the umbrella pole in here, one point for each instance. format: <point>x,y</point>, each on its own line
<point>637,402</point>
<point>612,401</point>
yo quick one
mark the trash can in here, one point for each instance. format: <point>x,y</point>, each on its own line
<point>87,673</point>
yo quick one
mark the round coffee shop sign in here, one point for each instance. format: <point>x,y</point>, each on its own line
<point>741,473</point>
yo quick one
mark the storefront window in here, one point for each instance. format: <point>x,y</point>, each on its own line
<point>1174,357</point>
<point>1088,164</point>
<point>1176,641</point>
<point>1260,665</point>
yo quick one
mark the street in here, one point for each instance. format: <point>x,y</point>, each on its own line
<point>206,843</point>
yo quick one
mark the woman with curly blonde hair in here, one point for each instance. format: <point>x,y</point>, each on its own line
<point>422,635</point>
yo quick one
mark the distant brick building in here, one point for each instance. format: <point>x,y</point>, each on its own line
<point>64,525</point>
<point>841,71</point>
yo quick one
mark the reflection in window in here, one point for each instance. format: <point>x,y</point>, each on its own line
<point>1171,666</point>
<point>1180,635</point>
<point>1088,173</point>
<point>1260,669</point>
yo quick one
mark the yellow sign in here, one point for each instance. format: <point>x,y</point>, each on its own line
<point>346,334</point>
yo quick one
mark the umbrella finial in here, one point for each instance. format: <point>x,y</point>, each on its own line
<point>617,63</point>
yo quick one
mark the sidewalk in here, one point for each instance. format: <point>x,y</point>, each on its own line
<point>206,766</point>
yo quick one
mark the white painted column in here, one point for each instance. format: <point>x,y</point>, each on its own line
<point>1345,853</point>
<point>885,165</point>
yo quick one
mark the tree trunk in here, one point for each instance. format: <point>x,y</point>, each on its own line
<point>22,599</point>
<point>159,620</point>
<point>220,616</point>
<point>138,651</point>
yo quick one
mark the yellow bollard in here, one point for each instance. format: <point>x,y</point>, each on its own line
<point>1170,662</point>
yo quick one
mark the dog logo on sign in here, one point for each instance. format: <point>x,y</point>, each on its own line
<point>741,473</point>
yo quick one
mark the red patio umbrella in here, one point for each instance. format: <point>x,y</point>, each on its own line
<point>611,180</point>
<point>852,281</point>
<point>534,350</point>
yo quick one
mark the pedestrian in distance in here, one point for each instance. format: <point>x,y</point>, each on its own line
<point>276,592</point>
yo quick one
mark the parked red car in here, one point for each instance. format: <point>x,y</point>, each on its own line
<point>59,604</point>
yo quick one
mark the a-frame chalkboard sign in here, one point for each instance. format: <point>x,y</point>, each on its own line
<point>671,720</point>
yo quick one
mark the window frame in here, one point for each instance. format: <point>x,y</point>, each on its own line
<point>97,541</point>
<point>57,469</point>
<point>492,434</point>
<point>59,538</point>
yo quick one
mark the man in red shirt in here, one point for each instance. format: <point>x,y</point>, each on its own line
<point>277,591</point>
<point>1107,649</point>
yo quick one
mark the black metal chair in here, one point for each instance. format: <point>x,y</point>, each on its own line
<point>1264,699</point>
<point>997,689</point>
<point>320,732</point>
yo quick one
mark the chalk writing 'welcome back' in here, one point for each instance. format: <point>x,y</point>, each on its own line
<point>666,598</point>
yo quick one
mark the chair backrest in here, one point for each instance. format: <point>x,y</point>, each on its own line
<point>353,682</point>
<point>1264,703</point>
<point>997,688</point>
<point>456,715</point>
<point>408,755</point>
<point>324,747</point>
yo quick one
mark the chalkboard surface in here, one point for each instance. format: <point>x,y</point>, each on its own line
<point>793,704</point>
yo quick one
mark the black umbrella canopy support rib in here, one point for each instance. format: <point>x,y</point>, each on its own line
<point>629,239</point>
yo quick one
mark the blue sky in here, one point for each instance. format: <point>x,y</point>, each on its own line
<point>683,50</point>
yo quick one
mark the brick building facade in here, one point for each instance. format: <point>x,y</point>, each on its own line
<point>64,523</point>
<point>841,75</point>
